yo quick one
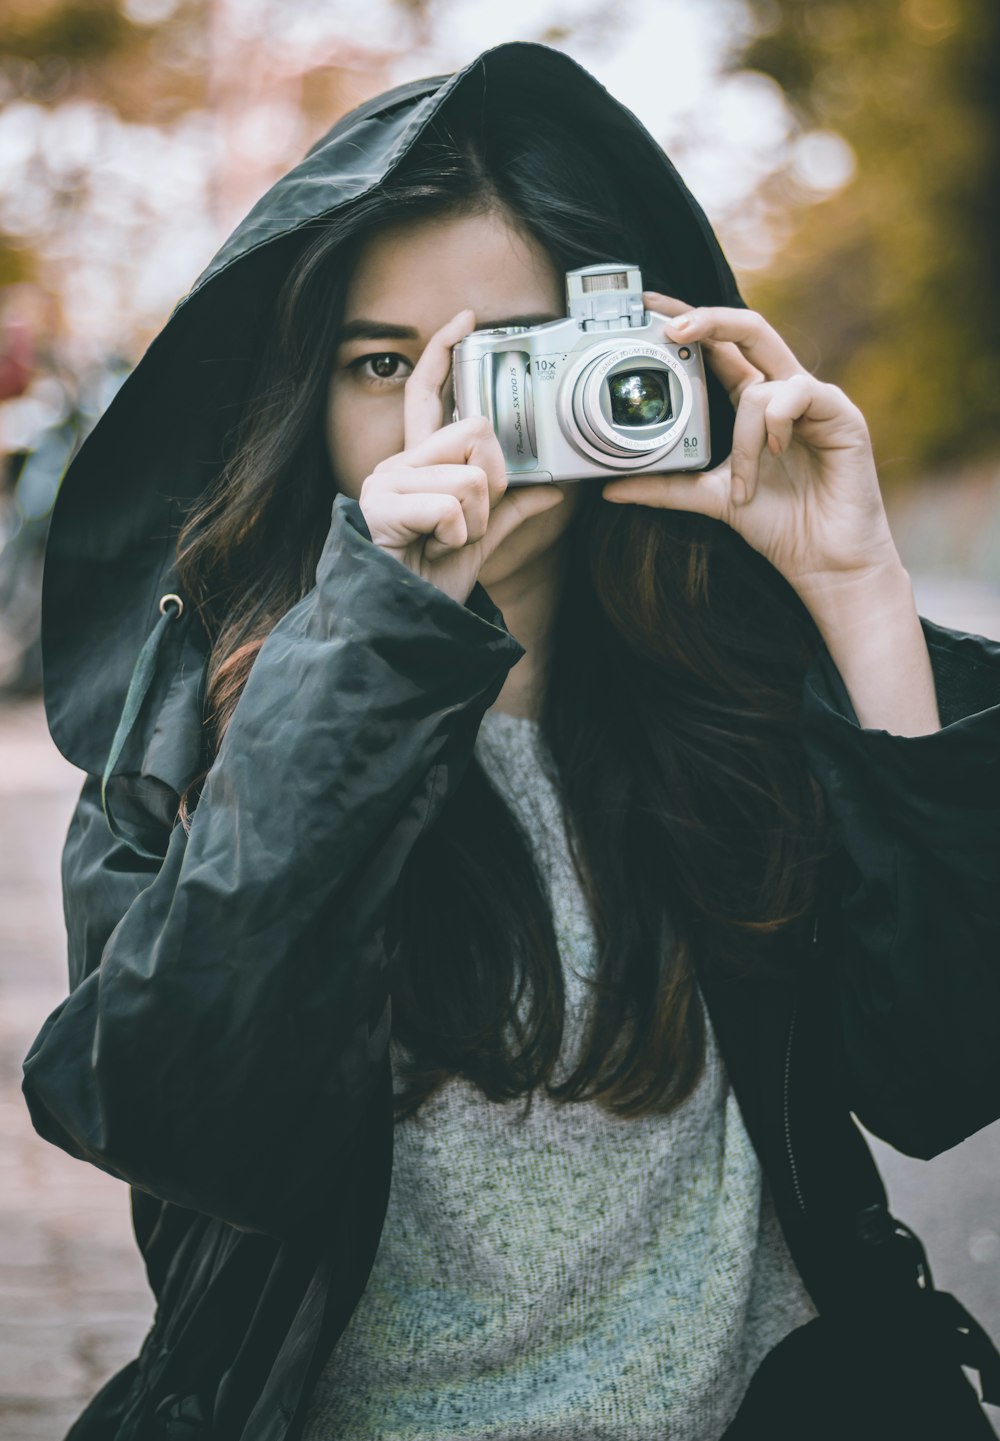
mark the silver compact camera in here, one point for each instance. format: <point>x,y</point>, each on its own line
<point>601,391</point>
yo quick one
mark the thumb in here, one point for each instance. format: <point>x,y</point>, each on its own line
<point>514,508</point>
<point>706,492</point>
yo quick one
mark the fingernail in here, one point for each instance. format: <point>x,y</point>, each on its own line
<point>678,322</point>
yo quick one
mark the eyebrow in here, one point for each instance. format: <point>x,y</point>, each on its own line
<point>380,330</point>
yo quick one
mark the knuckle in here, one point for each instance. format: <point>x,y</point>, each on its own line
<point>754,395</point>
<point>841,400</point>
<point>479,427</point>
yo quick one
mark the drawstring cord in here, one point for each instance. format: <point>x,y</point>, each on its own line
<point>142,676</point>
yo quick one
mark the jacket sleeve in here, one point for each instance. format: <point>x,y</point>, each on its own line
<point>916,938</point>
<point>229,1015</point>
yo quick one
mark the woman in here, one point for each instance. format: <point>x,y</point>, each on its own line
<point>593,1171</point>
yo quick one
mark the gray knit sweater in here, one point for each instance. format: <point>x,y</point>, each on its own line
<point>570,1277</point>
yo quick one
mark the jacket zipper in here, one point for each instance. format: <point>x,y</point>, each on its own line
<point>793,1168</point>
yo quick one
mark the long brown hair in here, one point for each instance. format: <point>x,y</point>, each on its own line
<point>670,706</point>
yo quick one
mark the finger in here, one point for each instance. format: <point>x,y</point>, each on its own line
<point>439,517</point>
<point>452,443</point>
<point>468,483</point>
<point>664,304</point>
<point>765,417</point>
<point>733,370</point>
<point>471,441</point>
<point>423,407</point>
<point>518,505</point>
<point>749,440</point>
<point>706,492</point>
<point>791,401</point>
<point>757,341</point>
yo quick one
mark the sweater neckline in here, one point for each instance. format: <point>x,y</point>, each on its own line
<point>501,717</point>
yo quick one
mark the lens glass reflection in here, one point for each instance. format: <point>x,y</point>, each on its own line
<point>639,397</point>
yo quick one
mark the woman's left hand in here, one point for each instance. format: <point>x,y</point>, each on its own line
<point>800,485</point>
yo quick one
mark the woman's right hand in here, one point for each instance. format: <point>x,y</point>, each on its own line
<point>441,504</point>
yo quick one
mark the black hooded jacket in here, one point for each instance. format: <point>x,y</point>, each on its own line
<point>224,1044</point>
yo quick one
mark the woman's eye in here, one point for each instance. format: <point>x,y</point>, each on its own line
<point>386,368</point>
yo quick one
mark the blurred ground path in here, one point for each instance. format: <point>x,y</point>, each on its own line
<point>74,1304</point>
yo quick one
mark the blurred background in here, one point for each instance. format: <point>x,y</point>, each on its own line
<point>849,156</point>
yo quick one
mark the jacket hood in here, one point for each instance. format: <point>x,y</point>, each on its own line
<point>109,555</point>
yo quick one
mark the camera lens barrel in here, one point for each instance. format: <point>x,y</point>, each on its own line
<point>624,405</point>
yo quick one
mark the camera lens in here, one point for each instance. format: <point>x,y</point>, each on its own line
<point>639,397</point>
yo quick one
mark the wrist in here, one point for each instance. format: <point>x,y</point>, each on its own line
<point>850,603</point>
<point>874,637</point>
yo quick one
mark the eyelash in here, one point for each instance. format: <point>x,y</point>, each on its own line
<point>380,382</point>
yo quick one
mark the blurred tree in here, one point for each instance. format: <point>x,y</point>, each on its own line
<point>54,50</point>
<point>103,68</point>
<point>135,133</point>
<point>890,287</point>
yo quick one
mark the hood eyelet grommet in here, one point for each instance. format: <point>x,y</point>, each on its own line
<point>143,673</point>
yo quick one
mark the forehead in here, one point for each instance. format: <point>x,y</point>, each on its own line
<point>422,272</point>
